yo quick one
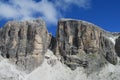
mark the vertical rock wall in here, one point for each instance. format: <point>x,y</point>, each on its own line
<point>24,42</point>
<point>79,43</point>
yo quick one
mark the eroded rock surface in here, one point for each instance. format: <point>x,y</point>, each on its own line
<point>25,43</point>
<point>79,43</point>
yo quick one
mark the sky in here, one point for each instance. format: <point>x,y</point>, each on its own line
<point>104,13</point>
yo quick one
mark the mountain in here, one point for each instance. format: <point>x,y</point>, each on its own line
<point>79,51</point>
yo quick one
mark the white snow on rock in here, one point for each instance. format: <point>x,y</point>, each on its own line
<point>59,71</point>
<point>8,71</point>
<point>53,69</point>
<point>110,72</point>
<point>113,39</point>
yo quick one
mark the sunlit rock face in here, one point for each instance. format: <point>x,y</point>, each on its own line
<point>24,42</point>
<point>79,43</point>
<point>79,51</point>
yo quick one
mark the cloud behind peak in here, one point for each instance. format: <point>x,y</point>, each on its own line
<point>50,10</point>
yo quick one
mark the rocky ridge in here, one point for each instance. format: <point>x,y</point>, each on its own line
<point>25,43</point>
<point>80,43</point>
<point>77,44</point>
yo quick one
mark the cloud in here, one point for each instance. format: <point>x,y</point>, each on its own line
<point>50,10</point>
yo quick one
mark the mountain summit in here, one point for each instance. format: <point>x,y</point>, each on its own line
<point>79,47</point>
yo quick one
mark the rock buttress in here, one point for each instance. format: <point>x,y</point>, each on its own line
<point>25,43</point>
<point>79,43</point>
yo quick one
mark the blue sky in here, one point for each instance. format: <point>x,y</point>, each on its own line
<point>104,13</point>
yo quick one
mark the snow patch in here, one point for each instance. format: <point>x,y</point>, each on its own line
<point>9,72</point>
<point>55,72</point>
<point>113,39</point>
<point>53,69</point>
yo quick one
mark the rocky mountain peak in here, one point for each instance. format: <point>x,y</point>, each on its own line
<point>24,42</point>
<point>77,45</point>
<point>80,43</point>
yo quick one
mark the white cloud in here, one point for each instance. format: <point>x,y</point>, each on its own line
<point>7,11</point>
<point>48,10</point>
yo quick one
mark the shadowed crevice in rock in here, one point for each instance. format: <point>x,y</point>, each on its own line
<point>52,42</point>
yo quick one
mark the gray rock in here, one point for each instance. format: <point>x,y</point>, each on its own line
<point>117,46</point>
<point>25,43</point>
<point>79,43</point>
<point>52,42</point>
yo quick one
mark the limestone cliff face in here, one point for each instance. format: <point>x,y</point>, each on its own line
<point>79,43</point>
<point>25,43</point>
